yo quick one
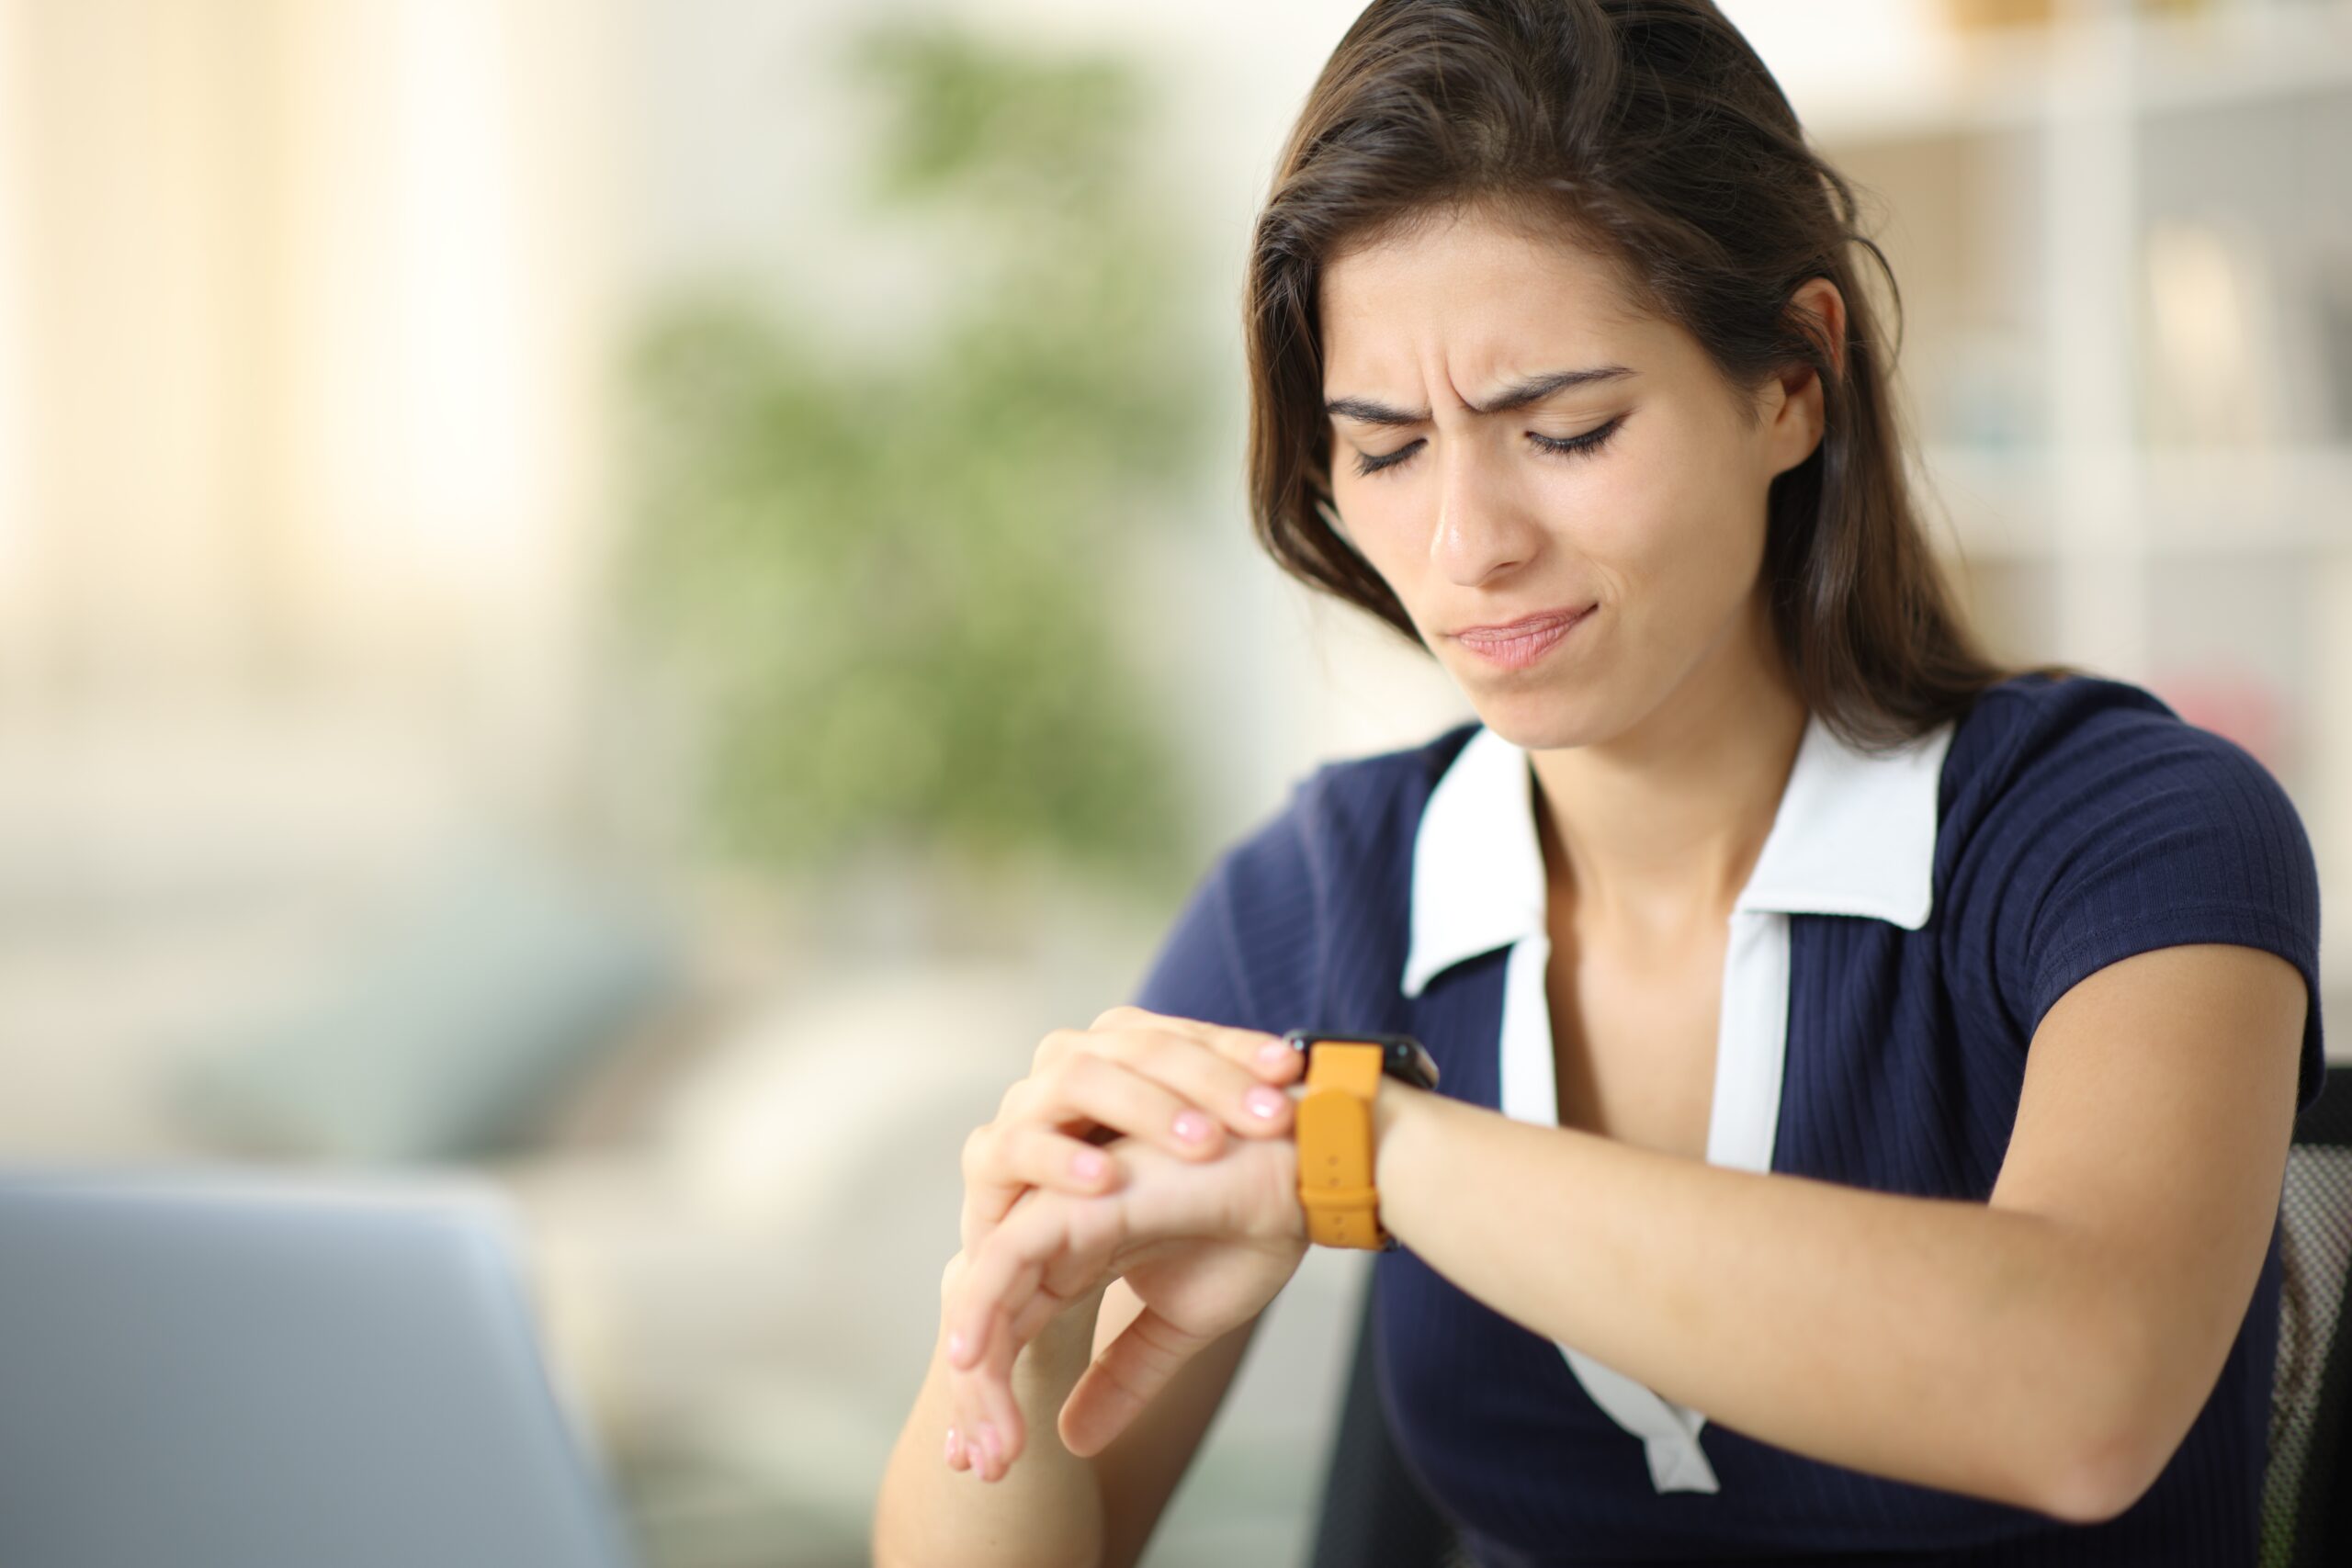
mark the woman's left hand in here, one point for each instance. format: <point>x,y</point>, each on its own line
<point>1203,1244</point>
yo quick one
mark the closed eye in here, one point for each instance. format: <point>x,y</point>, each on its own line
<point>1575,445</point>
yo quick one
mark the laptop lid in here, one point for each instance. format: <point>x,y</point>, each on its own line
<point>231,1373</point>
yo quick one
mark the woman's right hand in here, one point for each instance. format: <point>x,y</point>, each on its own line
<point>1175,1083</point>
<point>1203,1245</point>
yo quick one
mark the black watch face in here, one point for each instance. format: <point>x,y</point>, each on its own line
<point>1403,1056</point>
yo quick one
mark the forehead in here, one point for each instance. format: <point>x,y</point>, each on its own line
<point>1477,287</point>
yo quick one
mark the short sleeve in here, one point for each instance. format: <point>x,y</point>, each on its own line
<point>1243,950</point>
<point>1194,975</point>
<point>2141,831</point>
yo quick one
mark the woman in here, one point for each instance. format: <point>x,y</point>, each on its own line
<point>1866,1073</point>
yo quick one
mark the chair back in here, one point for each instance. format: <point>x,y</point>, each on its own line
<point>2307,1484</point>
<point>1374,1514</point>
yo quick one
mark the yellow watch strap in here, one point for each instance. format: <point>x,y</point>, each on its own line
<point>1335,1152</point>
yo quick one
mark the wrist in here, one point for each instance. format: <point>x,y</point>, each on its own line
<point>1395,1111</point>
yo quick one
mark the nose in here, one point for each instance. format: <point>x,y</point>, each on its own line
<point>1481,528</point>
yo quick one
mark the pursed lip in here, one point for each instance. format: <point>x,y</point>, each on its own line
<point>1540,621</point>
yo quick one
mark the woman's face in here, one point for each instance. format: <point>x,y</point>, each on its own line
<point>1611,468</point>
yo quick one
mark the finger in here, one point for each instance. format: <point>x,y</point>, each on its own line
<point>986,1390</point>
<point>1044,1258</point>
<point>1094,1096</point>
<point>1057,1043</point>
<point>997,1330</point>
<point>1004,1410</point>
<point>1045,1128</point>
<point>1006,1161</point>
<point>981,1418</point>
<point>957,1447</point>
<point>1138,1074</point>
<point>1269,1057</point>
<point>1011,1333</point>
<point>964,1435</point>
<point>975,1415</point>
<point>963,1449</point>
<point>989,1191</point>
<point>1010,1266</point>
<point>1212,1068</point>
<point>1040,1157</point>
<point>1146,1088</point>
<point>1004,1274</point>
<point>1130,1373</point>
<point>978,1418</point>
<point>1166,1089</point>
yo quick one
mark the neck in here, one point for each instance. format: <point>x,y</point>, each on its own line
<point>1653,832</point>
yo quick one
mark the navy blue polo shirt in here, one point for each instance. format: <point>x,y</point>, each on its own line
<point>2056,828</point>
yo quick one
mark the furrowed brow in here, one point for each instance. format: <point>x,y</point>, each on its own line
<point>1534,389</point>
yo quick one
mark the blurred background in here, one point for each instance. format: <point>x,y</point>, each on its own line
<point>635,597</point>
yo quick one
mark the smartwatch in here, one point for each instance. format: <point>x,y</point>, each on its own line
<point>1333,1130</point>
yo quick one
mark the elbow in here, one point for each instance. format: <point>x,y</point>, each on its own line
<point>2108,1444</point>
<point>2101,1480</point>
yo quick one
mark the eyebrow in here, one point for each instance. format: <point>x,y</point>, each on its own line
<point>1535,388</point>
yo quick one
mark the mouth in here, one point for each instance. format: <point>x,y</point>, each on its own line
<point>1522,642</point>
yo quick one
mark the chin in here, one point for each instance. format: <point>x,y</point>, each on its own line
<point>1536,721</point>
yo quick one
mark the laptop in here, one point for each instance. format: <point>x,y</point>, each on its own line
<point>210,1370</point>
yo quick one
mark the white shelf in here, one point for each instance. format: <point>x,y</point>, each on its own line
<point>2004,505</point>
<point>2024,78</point>
<point>2024,176</point>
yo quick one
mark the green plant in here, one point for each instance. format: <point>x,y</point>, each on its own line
<point>888,587</point>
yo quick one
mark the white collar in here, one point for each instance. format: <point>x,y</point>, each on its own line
<point>1854,834</point>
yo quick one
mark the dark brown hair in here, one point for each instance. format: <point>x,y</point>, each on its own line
<point>1650,131</point>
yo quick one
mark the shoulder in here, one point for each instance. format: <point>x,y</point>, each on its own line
<point>2019,723</point>
<point>1321,882</point>
<point>1348,818</point>
<point>1357,805</point>
<point>1344,838</point>
<point>2086,821</point>
<point>2035,756</point>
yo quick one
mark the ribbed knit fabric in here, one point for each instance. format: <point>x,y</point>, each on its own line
<point>2080,821</point>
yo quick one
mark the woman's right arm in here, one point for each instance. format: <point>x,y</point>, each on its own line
<point>1053,1509</point>
<point>1045,1513</point>
<point>1130,1073</point>
<point>1141,1468</point>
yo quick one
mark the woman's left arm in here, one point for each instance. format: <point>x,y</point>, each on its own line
<point>2049,1347</point>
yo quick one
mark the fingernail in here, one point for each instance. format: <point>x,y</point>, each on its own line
<point>1265,1103</point>
<point>956,1346</point>
<point>994,1445</point>
<point>950,1444</point>
<point>1274,1054</point>
<point>1191,1126</point>
<point>1088,1164</point>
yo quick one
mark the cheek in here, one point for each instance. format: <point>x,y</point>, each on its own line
<point>1381,521</point>
<point>1627,514</point>
<point>1668,538</point>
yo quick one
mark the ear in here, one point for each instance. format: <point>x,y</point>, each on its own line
<point>1818,298</point>
<point>1801,413</point>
